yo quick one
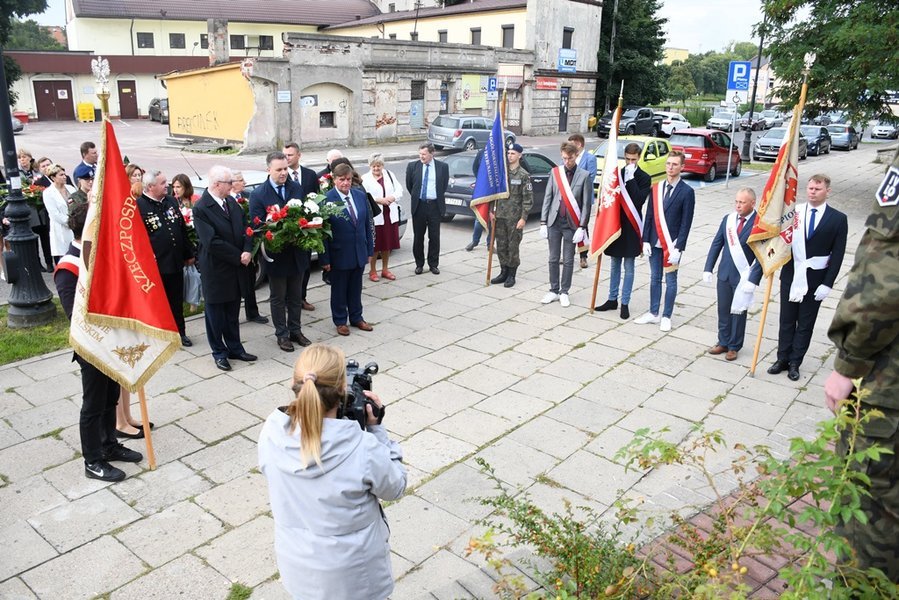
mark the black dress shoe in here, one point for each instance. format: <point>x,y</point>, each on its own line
<point>470,246</point>
<point>244,356</point>
<point>625,312</point>
<point>778,367</point>
<point>793,372</point>
<point>284,344</point>
<point>300,339</point>
<point>185,341</point>
<point>419,270</point>
<point>258,319</point>
<point>608,305</point>
<point>223,364</point>
<point>435,270</point>
<point>130,436</point>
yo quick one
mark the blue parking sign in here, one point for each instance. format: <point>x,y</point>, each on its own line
<point>738,75</point>
<point>491,84</point>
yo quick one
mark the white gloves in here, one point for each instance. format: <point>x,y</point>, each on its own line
<point>629,172</point>
<point>544,233</point>
<point>674,256</point>
<point>578,235</point>
<point>707,276</point>
<point>822,292</point>
<point>647,249</point>
<point>748,287</point>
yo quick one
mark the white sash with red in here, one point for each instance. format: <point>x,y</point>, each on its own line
<point>801,264</point>
<point>633,215</point>
<point>741,300</point>
<point>572,209</point>
<point>662,227</point>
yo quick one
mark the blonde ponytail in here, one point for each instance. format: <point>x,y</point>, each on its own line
<point>319,378</point>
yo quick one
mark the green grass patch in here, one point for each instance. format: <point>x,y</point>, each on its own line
<point>762,167</point>
<point>55,434</point>
<point>187,311</point>
<point>19,344</point>
<point>239,591</point>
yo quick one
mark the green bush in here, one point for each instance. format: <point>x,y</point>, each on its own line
<point>697,114</point>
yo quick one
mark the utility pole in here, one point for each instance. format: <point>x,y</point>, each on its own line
<point>747,135</point>
<point>611,53</point>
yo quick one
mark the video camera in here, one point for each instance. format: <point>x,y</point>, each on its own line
<point>354,404</point>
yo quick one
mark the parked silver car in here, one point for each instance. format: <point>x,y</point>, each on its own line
<point>723,121</point>
<point>17,126</point>
<point>466,132</point>
<point>772,119</point>
<point>768,146</point>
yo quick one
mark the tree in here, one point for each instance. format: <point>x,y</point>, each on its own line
<point>638,49</point>
<point>10,9</point>
<point>680,84</point>
<point>742,50</point>
<point>855,42</point>
<point>29,35</point>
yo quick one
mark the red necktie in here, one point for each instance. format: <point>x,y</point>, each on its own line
<point>740,225</point>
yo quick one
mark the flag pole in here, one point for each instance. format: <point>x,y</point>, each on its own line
<point>599,258</point>
<point>758,339</point>
<point>148,437</point>
<point>492,222</point>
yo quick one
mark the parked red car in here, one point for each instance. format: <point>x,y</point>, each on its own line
<point>705,151</point>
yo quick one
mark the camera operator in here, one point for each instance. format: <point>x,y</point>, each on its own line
<point>325,476</point>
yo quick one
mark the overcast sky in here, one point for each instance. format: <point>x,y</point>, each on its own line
<point>697,25</point>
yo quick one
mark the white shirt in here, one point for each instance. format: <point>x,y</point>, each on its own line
<point>806,218</point>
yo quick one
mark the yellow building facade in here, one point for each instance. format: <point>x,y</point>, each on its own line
<point>215,103</point>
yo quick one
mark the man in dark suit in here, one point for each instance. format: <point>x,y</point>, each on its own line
<point>563,220</point>
<point>665,230</point>
<point>629,245</point>
<point>819,244</point>
<point>168,237</point>
<point>427,180</point>
<point>248,275</point>
<point>308,180</point>
<point>224,250</point>
<point>347,252</point>
<point>738,274</point>
<point>285,269</point>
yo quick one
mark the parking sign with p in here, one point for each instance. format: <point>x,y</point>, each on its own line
<point>738,75</point>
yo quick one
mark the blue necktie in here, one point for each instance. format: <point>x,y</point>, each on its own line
<point>424,183</point>
<point>811,223</point>
<point>281,191</point>
<point>350,208</point>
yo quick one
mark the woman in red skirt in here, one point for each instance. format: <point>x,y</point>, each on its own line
<point>386,190</point>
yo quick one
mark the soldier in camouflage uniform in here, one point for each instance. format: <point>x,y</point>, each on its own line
<point>511,216</point>
<point>865,330</point>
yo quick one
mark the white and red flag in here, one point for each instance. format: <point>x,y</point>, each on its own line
<point>121,322</point>
<point>772,234</point>
<point>613,197</point>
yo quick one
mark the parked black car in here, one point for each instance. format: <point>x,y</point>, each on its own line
<point>818,139</point>
<point>159,110</point>
<point>461,182</point>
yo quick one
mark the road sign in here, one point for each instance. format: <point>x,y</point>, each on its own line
<point>491,84</point>
<point>738,75</point>
<point>567,60</point>
<point>494,95</point>
<point>888,192</point>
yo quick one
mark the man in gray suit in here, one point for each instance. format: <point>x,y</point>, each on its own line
<point>563,220</point>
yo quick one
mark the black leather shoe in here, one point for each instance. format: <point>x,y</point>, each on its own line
<point>435,270</point>
<point>284,344</point>
<point>470,246</point>
<point>419,270</point>
<point>778,367</point>
<point>120,453</point>
<point>185,341</point>
<point>625,312</point>
<point>245,356</point>
<point>300,339</point>
<point>258,319</point>
<point>793,372</point>
<point>608,305</point>
<point>223,364</point>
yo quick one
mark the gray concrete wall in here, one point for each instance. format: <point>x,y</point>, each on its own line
<point>546,21</point>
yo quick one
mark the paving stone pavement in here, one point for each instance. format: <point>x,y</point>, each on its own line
<point>546,395</point>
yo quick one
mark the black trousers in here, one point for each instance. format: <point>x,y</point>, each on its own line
<point>174,292</point>
<point>426,219</point>
<point>248,285</point>
<point>223,329</point>
<point>43,234</point>
<point>97,422</point>
<point>797,322</point>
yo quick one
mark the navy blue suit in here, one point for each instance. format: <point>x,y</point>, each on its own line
<point>679,217</point>
<point>347,253</point>
<point>731,328</point>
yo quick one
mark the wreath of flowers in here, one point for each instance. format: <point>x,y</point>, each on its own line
<point>302,224</point>
<point>34,196</point>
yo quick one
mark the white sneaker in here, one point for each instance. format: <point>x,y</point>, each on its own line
<point>666,324</point>
<point>646,318</point>
<point>564,301</point>
<point>549,297</point>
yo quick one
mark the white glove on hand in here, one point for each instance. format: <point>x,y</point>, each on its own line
<point>544,232</point>
<point>748,288</point>
<point>707,276</point>
<point>822,292</point>
<point>578,236</point>
<point>647,249</point>
<point>629,172</point>
<point>674,256</point>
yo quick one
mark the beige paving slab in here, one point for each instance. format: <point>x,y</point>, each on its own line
<point>484,379</point>
<point>517,363</point>
<point>170,533</point>
<point>194,580</point>
<point>72,524</point>
<point>550,436</point>
<point>70,480</point>
<point>431,450</point>
<point>23,460</point>
<point>614,394</point>
<point>217,422</point>
<point>153,491</point>
<point>59,385</point>
<point>514,406</point>
<point>171,377</point>
<point>473,426</point>
<point>237,501</point>
<point>41,369</point>
<point>680,405</point>
<point>457,491</point>
<point>421,372</point>
<point>15,589</point>
<point>12,403</point>
<point>547,387</point>
<point>45,418</point>
<point>9,436</point>
<point>593,477</point>
<point>514,463</point>
<point>272,590</point>
<point>224,460</point>
<point>171,443</point>
<point>209,393</point>
<point>441,571</point>
<point>165,408</point>
<point>23,548</point>
<point>699,386</point>
<point>411,516</point>
<point>245,554</point>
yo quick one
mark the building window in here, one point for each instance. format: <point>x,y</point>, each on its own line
<point>238,42</point>
<point>476,36</point>
<point>508,36</point>
<point>567,34</point>
<point>413,36</point>
<point>327,120</point>
<point>441,36</point>
<point>391,7</point>
<point>266,42</point>
<point>176,40</point>
<point>204,40</point>
<point>392,36</point>
<point>144,40</point>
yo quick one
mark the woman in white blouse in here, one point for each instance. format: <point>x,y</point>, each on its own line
<point>57,198</point>
<point>386,190</point>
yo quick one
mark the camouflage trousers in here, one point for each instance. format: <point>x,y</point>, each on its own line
<point>876,543</point>
<point>508,239</point>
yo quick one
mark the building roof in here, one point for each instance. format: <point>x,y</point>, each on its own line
<point>474,6</point>
<point>291,12</point>
<point>79,63</point>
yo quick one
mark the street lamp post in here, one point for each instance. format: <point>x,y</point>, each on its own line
<point>30,301</point>
<point>747,137</point>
